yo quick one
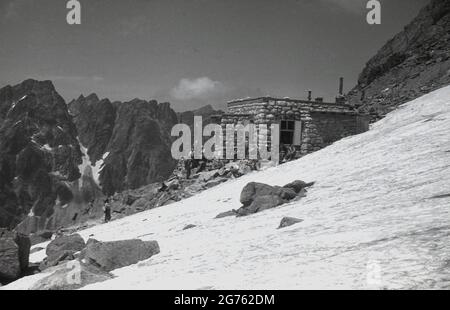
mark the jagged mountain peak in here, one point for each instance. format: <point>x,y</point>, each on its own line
<point>39,151</point>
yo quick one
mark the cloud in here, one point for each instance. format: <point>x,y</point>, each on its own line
<point>198,88</point>
<point>352,6</point>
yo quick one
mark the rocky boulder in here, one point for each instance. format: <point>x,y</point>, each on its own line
<point>9,260</point>
<point>257,197</point>
<point>289,221</point>
<point>71,276</point>
<point>254,190</point>
<point>14,255</point>
<point>117,254</point>
<point>62,244</point>
<point>56,259</point>
<point>298,186</point>
<point>139,148</point>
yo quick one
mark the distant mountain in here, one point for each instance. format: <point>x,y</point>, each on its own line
<point>415,62</point>
<point>131,140</point>
<point>39,152</point>
<point>206,112</point>
<point>94,120</point>
<point>55,159</point>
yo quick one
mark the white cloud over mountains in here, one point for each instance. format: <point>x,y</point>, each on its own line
<point>197,88</point>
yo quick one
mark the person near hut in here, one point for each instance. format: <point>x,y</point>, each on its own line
<point>107,210</point>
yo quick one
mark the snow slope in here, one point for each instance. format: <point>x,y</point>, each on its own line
<point>370,221</point>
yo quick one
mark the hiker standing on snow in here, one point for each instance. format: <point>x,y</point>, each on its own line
<point>107,210</point>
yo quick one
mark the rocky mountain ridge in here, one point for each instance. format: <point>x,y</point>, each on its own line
<point>39,152</point>
<point>415,62</point>
<point>58,161</point>
<point>131,139</point>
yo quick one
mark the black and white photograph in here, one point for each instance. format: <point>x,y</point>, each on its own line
<point>245,146</point>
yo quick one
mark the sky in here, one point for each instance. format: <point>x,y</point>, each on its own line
<point>195,52</point>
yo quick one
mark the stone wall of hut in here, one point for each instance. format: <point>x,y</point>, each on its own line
<point>322,123</point>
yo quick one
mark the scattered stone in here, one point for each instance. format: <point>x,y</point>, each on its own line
<point>226,214</point>
<point>253,190</point>
<point>117,254</point>
<point>215,182</point>
<point>289,221</point>
<point>189,226</point>
<point>73,243</point>
<point>440,196</point>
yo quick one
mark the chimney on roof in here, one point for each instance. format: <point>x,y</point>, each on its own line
<point>309,95</point>
<point>341,86</point>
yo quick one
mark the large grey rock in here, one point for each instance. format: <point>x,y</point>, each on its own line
<point>257,197</point>
<point>117,254</point>
<point>38,141</point>
<point>57,258</point>
<point>9,260</point>
<point>253,190</point>
<point>73,243</point>
<point>14,255</point>
<point>71,276</point>
<point>139,146</point>
<point>261,203</point>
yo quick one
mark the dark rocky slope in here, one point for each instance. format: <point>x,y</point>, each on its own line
<point>139,148</point>
<point>416,61</point>
<point>132,139</point>
<point>39,152</point>
<point>94,119</point>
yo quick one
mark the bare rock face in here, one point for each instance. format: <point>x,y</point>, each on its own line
<point>94,119</point>
<point>135,136</point>
<point>39,152</point>
<point>415,62</point>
